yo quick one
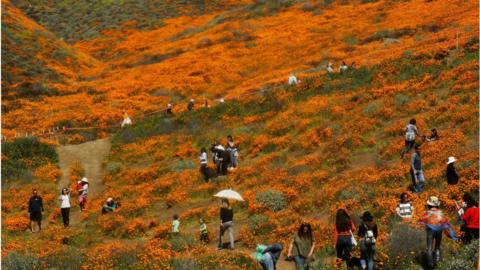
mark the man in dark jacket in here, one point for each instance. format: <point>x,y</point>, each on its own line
<point>452,176</point>
<point>35,208</point>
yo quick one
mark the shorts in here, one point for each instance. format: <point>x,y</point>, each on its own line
<point>36,216</point>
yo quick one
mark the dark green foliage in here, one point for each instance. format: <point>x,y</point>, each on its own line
<point>395,33</point>
<point>25,154</point>
<point>403,241</point>
<point>185,264</point>
<point>271,199</point>
<point>18,261</point>
<point>465,258</point>
<point>259,225</point>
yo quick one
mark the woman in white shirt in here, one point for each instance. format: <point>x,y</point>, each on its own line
<point>65,206</point>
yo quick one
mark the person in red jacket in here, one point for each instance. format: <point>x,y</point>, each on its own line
<point>470,217</point>
<point>344,240</point>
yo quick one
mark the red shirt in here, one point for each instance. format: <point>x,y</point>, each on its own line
<point>471,217</point>
<point>344,233</point>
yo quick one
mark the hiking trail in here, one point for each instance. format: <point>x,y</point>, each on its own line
<point>91,155</point>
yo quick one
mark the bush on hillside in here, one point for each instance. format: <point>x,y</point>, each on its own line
<point>405,245</point>
<point>24,154</point>
<point>18,261</point>
<point>273,200</point>
<point>465,258</point>
<point>258,224</point>
<point>70,258</point>
<point>185,264</point>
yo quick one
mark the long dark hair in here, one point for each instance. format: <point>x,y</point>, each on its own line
<point>301,231</point>
<point>203,150</point>
<point>342,221</point>
<point>469,200</point>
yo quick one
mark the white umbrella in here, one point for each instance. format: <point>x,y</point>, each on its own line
<point>229,194</point>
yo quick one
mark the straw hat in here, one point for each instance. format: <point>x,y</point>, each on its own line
<point>451,160</point>
<point>433,201</point>
<point>84,179</point>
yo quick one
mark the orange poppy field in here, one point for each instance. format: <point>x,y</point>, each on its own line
<point>72,70</point>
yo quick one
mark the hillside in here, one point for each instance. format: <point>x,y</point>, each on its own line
<point>331,142</point>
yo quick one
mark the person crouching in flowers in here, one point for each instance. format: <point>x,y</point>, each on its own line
<point>175,225</point>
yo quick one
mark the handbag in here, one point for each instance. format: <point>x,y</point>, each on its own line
<point>354,241</point>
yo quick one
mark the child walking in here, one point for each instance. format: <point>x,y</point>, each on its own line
<point>203,231</point>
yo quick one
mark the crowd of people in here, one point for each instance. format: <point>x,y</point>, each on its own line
<point>302,246</point>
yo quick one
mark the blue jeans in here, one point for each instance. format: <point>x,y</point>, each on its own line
<point>432,236</point>
<point>421,181</point>
<point>300,262</point>
<point>267,262</point>
<point>367,253</point>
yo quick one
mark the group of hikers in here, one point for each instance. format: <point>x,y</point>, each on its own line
<point>224,158</point>
<point>293,80</point>
<point>302,245</point>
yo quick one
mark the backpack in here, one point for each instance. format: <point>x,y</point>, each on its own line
<point>369,237</point>
<point>410,134</point>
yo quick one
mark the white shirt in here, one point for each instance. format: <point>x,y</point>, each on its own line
<point>292,80</point>
<point>65,201</point>
<point>203,158</point>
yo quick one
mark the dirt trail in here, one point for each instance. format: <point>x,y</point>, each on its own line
<point>91,155</point>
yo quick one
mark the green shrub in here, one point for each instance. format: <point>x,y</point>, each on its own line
<point>402,243</point>
<point>184,264</point>
<point>183,165</point>
<point>113,167</point>
<point>70,259</point>
<point>401,99</point>
<point>18,261</point>
<point>181,242</point>
<point>350,40</point>
<point>271,199</point>
<point>258,224</point>
<point>372,108</point>
<point>465,258</point>
<point>25,154</point>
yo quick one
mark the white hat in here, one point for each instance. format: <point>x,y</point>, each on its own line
<point>433,201</point>
<point>84,179</point>
<point>222,100</point>
<point>169,105</point>
<point>451,160</point>
<point>191,100</point>
<point>110,199</point>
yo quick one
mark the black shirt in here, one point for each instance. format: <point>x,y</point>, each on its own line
<point>364,228</point>
<point>226,214</point>
<point>35,204</point>
<point>452,176</point>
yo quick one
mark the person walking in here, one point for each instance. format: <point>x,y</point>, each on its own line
<point>368,233</point>
<point>65,206</point>
<point>292,80</point>
<point>416,172</point>
<point>35,208</point>
<point>410,132</point>
<point>226,223</point>
<point>126,120</point>
<point>82,188</point>
<point>471,218</point>
<point>190,105</point>
<point>452,176</point>
<point>232,149</point>
<point>344,240</point>
<point>405,207</point>
<point>175,225</point>
<point>435,223</point>
<point>203,157</point>
<point>302,246</point>
<point>169,109</point>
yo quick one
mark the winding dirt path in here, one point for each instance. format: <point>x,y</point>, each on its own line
<point>91,155</point>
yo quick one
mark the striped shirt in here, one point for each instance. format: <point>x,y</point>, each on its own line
<point>405,210</point>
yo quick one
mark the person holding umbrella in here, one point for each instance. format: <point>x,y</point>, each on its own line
<point>226,223</point>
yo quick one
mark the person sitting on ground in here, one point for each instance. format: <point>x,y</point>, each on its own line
<point>226,223</point>
<point>405,207</point>
<point>343,236</point>
<point>169,109</point>
<point>126,119</point>
<point>471,218</point>
<point>109,206</point>
<point>452,176</point>
<point>368,233</point>
<point>416,172</point>
<point>435,223</point>
<point>203,231</point>
<point>302,246</point>
<point>35,208</point>
<point>190,104</point>
<point>433,136</point>
<point>292,80</point>
<point>268,255</point>
<point>410,132</point>
<point>175,225</point>
<point>343,67</point>
<point>232,149</point>
<point>330,67</point>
